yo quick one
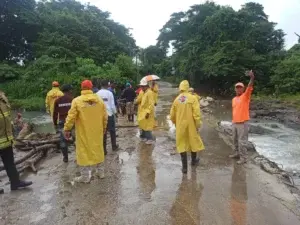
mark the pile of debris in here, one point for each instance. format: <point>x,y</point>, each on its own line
<point>31,147</point>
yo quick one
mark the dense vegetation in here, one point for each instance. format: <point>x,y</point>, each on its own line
<point>214,45</point>
<point>59,40</point>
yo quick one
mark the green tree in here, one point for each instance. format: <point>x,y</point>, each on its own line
<point>286,76</point>
<point>214,44</point>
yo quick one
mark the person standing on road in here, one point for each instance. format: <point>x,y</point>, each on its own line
<point>89,115</point>
<point>108,99</point>
<point>6,149</point>
<point>137,102</point>
<point>51,97</point>
<point>61,108</point>
<point>240,118</point>
<point>185,114</point>
<point>129,96</point>
<point>146,119</point>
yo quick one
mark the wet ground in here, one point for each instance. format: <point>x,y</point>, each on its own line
<point>144,185</point>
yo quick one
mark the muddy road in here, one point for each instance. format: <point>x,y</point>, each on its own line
<point>144,185</point>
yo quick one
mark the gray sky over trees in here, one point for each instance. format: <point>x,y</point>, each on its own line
<point>146,17</point>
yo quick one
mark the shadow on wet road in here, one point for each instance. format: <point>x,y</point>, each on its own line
<point>144,185</point>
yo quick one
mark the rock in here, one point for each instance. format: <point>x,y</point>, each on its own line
<point>253,114</point>
<point>273,125</point>
<point>258,129</point>
<point>250,146</point>
<point>206,110</point>
<point>209,99</point>
<point>225,127</point>
<point>204,103</point>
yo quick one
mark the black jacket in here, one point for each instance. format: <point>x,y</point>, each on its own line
<point>128,94</point>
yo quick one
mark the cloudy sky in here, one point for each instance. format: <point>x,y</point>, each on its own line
<point>146,17</point>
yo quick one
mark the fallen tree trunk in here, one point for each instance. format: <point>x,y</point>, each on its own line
<point>34,151</point>
<point>32,162</point>
<point>36,143</point>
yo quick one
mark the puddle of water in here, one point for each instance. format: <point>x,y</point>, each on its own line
<point>37,217</point>
<point>46,207</point>
<point>42,121</point>
<point>45,197</point>
<point>124,156</point>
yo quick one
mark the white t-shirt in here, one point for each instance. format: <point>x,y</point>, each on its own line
<point>109,101</point>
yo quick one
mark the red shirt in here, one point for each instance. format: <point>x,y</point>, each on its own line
<point>61,108</point>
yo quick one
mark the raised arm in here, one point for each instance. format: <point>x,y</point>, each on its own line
<point>249,89</point>
<point>252,77</point>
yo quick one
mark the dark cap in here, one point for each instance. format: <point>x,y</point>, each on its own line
<point>66,88</point>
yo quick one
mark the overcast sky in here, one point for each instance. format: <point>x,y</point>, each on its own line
<point>147,17</point>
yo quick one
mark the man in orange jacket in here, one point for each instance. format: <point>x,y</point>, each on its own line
<point>240,118</point>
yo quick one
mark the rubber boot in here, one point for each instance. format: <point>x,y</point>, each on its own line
<point>184,162</point>
<point>65,154</point>
<point>195,159</point>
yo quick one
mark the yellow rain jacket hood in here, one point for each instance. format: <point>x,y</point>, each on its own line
<point>184,86</point>
<point>89,115</point>
<point>146,107</point>
<point>51,97</point>
<point>185,114</point>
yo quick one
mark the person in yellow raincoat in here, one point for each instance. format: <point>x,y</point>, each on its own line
<point>192,91</point>
<point>185,114</point>
<point>51,97</point>
<point>89,115</point>
<point>146,119</point>
<point>138,102</point>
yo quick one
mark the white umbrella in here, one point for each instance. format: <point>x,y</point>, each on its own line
<point>151,77</point>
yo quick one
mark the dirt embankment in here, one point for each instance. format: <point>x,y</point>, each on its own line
<point>280,111</point>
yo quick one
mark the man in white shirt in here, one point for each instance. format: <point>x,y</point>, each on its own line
<point>108,98</point>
